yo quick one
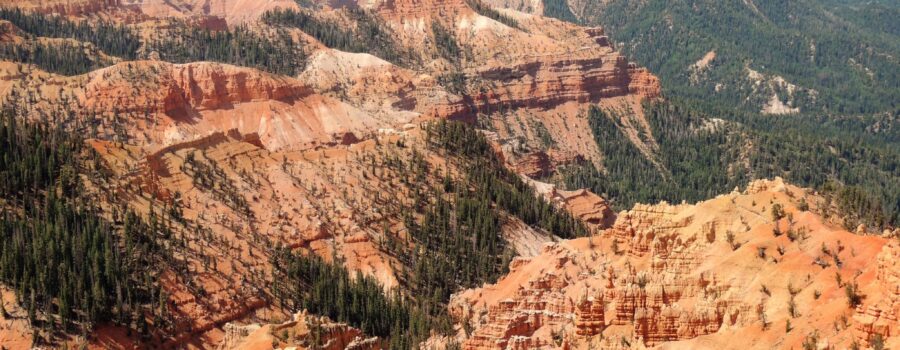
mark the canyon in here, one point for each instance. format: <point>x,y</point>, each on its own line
<point>324,162</point>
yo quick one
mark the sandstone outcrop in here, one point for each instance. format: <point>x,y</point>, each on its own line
<point>161,103</point>
<point>304,331</point>
<point>556,79</point>
<point>590,317</point>
<point>512,320</point>
<point>534,164</point>
<point>379,87</point>
<point>685,275</point>
<point>588,207</point>
<point>9,33</point>
<point>538,70</point>
<point>530,76</point>
<point>179,90</point>
<point>879,314</point>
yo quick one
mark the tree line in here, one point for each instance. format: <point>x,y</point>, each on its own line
<point>700,157</point>
<point>70,265</point>
<point>370,35</point>
<point>489,12</point>
<point>271,52</point>
<point>113,39</point>
<point>841,51</point>
<point>329,289</point>
<point>66,58</point>
<point>501,185</point>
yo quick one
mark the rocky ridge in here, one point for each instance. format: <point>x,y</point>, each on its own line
<point>693,276</point>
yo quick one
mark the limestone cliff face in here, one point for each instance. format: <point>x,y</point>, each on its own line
<point>551,80</point>
<point>381,88</point>
<point>181,89</point>
<point>530,77</point>
<point>159,104</point>
<point>687,275</point>
<point>540,94</point>
<point>549,65</point>
<point>534,164</point>
<point>538,70</point>
<point>590,315</point>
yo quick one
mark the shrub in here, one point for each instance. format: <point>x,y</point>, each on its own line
<point>777,212</point>
<point>877,342</point>
<point>854,298</point>
<point>811,342</point>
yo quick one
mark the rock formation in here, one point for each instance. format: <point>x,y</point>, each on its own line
<point>692,275</point>
<point>878,315</point>
<point>304,331</point>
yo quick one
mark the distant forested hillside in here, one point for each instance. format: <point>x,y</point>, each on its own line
<point>832,56</point>
<point>704,151</point>
<point>832,65</point>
